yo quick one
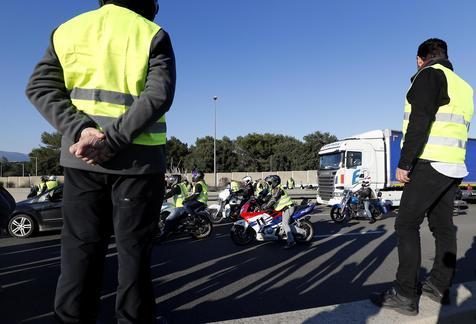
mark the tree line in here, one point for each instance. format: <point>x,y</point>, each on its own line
<point>252,153</point>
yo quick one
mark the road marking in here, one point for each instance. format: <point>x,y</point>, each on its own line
<point>329,235</point>
<point>32,249</point>
<point>351,234</point>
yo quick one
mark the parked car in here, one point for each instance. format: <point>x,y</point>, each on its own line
<point>36,214</point>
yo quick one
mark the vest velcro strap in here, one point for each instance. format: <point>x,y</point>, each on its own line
<point>446,141</point>
<point>155,128</point>
<point>113,97</point>
<point>445,117</point>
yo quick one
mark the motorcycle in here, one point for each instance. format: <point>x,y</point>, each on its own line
<point>353,207</point>
<point>228,208</point>
<point>197,224</point>
<point>266,226</point>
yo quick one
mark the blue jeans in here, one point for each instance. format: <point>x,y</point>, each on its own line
<point>286,217</point>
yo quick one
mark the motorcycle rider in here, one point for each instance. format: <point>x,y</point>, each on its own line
<point>259,186</point>
<point>279,200</point>
<point>365,193</point>
<point>248,190</point>
<point>234,186</point>
<point>177,189</point>
<point>42,185</point>
<point>51,183</point>
<point>190,204</point>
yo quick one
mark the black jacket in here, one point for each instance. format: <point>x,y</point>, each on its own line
<point>47,92</point>
<point>428,92</point>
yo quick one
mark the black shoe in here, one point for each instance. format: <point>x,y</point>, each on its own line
<point>428,289</point>
<point>392,300</point>
<point>372,220</point>
<point>290,245</point>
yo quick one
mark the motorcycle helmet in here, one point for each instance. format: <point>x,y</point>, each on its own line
<point>173,180</point>
<point>43,178</point>
<point>247,180</point>
<point>197,176</point>
<point>52,178</point>
<point>273,180</point>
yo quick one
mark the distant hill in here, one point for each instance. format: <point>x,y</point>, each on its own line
<point>14,156</point>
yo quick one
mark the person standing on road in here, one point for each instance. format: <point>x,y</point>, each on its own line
<point>438,110</point>
<point>105,83</point>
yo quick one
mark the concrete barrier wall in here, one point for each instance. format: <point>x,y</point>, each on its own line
<point>23,182</point>
<point>300,177</point>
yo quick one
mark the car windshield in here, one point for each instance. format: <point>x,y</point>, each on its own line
<point>56,194</point>
<point>330,161</point>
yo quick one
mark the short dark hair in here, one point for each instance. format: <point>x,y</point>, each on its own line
<point>433,48</point>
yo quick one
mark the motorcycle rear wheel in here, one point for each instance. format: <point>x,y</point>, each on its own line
<point>338,215</point>
<point>241,236</point>
<point>203,228</point>
<point>376,213</point>
<point>307,226</point>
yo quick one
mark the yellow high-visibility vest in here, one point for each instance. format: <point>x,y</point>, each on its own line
<point>105,56</point>
<point>284,201</point>
<point>449,132</point>
<point>203,197</point>
<point>178,199</point>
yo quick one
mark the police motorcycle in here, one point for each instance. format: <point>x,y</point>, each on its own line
<point>262,225</point>
<point>197,223</point>
<point>230,203</point>
<point>352,206</point>
<point>228,207</point>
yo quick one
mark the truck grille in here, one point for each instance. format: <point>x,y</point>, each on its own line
<point>326,184</point>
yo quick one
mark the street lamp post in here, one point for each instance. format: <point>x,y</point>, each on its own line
<point>215,98</point>
<point>36,165</point>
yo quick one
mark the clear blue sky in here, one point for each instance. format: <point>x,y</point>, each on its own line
<point>289,67</point>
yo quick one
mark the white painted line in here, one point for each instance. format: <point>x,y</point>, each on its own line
<point>351,234</point>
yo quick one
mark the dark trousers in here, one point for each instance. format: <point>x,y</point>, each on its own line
<point>95,206</point>
<point>431,194</point>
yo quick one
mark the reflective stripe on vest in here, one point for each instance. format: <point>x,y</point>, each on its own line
<point>284,201</point>
<point>449,132</point>
<point>178,199</point>
<point>203,197</point>
<point>105,57</point>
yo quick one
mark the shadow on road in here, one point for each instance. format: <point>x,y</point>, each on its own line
<point>263,278</point>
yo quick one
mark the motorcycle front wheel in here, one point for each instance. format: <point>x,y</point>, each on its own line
<point>203,226</point>
<point>307,226</point>
<point>338,215</point>
<point>241,236</point>
<point>216,216</point>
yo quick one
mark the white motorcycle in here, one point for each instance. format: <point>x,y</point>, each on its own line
<point>228,208</point>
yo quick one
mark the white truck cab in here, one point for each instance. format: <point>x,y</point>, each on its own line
<point>341,163</point>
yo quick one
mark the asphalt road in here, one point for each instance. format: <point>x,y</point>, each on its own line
<point>213,280</point>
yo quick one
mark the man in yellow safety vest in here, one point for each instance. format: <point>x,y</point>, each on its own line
<point>105,83</point>
<point>438,109</point>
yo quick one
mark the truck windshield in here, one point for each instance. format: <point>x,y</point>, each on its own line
<point>330,161</point>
